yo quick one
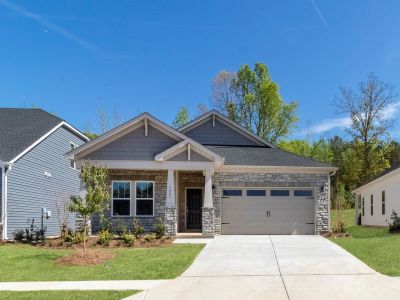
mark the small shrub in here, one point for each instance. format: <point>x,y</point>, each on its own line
<point>160,229</point>
<point>19,235</point>
<point>138,229</point>
<point>128,239</point>
<point>74,237</point>
<point>394,225</point>
<point>105,237</point>
<point>122,229</point>
<point>150,237</point>
<point>338,229</point>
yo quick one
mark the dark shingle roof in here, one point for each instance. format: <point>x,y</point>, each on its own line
<point>263,156</point>
<point>21,127</point>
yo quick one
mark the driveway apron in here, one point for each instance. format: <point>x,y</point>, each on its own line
<point>275,267</point>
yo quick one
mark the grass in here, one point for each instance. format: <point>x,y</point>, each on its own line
<point>373,245</point>
<point>67,295</point>
<point>29,263</point>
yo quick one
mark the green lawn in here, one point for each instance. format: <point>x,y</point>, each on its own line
<point>373,245</point>
<point>30,263</point>
<point>67,295</point>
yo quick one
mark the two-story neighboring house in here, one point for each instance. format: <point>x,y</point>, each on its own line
<point>34,171</point>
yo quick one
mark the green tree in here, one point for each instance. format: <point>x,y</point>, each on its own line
<point>367,108</point>
<point>182,117</point>
<point>95,180</point>
<point>252,99</point>
<point>318,150</point>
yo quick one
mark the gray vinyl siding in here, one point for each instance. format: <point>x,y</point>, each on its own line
<point>29,190</point>
<point>134,146</point>
<point>221,134</point>
<point>183,156</point>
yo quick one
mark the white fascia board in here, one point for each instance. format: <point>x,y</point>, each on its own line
<point>198,121</point>
<point>376,181</point>
<point>176,149</point>
<point>153,165</point>
<point>63,123</point>
<point>277,169</point>
<point>131,123</point>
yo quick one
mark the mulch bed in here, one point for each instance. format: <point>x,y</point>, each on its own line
<point>91,242</point>
<point>90,257</point>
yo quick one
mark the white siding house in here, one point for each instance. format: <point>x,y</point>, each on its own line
<point>376,200</point>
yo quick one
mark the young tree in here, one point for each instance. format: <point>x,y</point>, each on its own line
<point>252,99</point>
<point>182,117</point>
<point>95,181</point>
<point>368,109</point>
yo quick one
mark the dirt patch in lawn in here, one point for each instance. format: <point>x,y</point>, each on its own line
<point>90,257</point>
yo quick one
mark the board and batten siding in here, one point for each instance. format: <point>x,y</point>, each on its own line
<point>392,191</point>
<point>29,189</point>
<point>220,134</point>
<point>134,146</point>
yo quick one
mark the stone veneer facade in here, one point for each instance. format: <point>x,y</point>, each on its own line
<point>249,179</point>
<point>160,181</point>
<point>211,217</point>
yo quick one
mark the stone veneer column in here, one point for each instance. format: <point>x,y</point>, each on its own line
<point>208,211</point>
<point>170,218</point>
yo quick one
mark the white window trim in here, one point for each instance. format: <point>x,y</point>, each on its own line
<point>153,199</point>
<point>72,160</point>
<point>125,199</point>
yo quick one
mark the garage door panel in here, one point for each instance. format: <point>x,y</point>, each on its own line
<point>286,215</point>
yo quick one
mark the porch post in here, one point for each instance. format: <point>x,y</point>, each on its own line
<point>208,212</point>
<point>170,218</point>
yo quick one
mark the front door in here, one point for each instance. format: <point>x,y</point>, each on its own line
<point>194,200</point>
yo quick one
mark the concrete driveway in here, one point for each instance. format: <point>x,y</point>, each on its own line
<point>276,267</point>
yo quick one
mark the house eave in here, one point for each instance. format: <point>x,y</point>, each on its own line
<point>377,180</point>
<point>277,169</point>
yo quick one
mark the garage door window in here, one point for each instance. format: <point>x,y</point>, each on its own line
<point>256,193</point>
<point>303,193</point>
<point>280,193</point>
<point>232,193</point>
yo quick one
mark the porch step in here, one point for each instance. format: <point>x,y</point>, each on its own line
<point>193,235</point>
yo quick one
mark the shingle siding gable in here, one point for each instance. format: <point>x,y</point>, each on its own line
<point>220,134</point>
<point>134,146</point>
<point>29,190</point>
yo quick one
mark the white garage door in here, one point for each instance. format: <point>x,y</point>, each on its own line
<point>268,211</point>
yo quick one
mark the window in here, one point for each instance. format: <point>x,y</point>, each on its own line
<point>363,206</point>
<point>259,193</point>
<point>230,193</point>
<point>303,193</point>
<point>279,193</point>
<point>121,198</point>
<point>144,198</point>
<point>71,161</point>
<point>372,205</point>
<point>383,203</point>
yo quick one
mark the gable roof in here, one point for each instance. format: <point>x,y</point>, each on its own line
<point>22,128</point>
<point>239,128</point>
<point>388,172</point>
<point>124,128</point>
<point>263,156</point>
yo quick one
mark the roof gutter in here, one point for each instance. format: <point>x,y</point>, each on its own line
<point>5,168</point>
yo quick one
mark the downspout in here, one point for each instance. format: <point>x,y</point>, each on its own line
<point>5,168</point>
<point>329,199</point>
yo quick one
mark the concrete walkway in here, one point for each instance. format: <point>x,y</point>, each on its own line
<point>275,267</point>
<point>81,285</point>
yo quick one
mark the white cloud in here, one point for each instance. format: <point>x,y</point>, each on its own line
<point>341,123</point>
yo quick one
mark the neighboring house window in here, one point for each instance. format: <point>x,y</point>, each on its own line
<point>121,198</point>
<point>372,205</point>
<point>363,206</point>
<point>144,198</point>
<point>383,203</point>
<point>71,161</point>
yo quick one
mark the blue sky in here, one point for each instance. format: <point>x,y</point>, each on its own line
<point>71,57</point>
